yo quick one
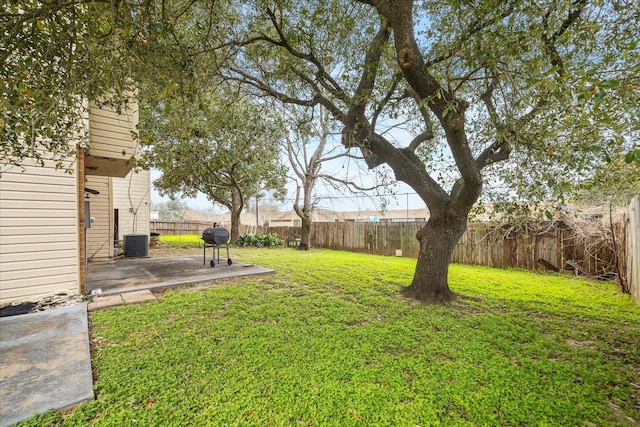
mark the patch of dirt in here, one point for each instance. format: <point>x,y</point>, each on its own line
<point>160,251</point>
<point>580,344</point>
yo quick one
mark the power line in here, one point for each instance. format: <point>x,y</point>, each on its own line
<point>364,197</point>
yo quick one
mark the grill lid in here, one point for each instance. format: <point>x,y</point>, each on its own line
<point>215,236</point>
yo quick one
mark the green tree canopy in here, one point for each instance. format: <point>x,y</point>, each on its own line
<point>229,151</point>
<point>615,182</point>
<point>57,56</point>
<point>533,95</point>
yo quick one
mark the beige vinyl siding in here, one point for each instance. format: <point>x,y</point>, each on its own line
<point>100,235</point>
<point>132,199</point>
<point>38,232</point>
<point>110,132</point>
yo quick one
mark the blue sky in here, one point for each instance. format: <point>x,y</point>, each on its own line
<point>331,199</point>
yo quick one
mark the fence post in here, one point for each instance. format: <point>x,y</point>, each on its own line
<point>632,248</point>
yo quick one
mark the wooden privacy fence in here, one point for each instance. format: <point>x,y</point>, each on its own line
<point>632,248</point>
<point>175,228</point>
<point>584,247</point>
<point>179,227</point>
<point>588,248</point>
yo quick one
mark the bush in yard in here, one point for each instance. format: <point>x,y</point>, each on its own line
<point>259,240</point>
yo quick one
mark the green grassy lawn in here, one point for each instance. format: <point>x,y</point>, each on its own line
<point>329,341</point>
<point>182,241</point>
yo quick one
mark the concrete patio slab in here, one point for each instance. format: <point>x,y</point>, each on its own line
<point>133,274</point>
<point>45,362</point>
<point>107,301</point>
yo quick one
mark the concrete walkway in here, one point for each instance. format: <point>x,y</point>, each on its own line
<point>120,299</point>
<point>44,362</point>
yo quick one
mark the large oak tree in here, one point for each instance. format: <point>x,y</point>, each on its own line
<point>542,87</point>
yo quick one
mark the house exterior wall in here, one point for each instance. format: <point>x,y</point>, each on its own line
<point>39,248</point>
<point>110,133</point>
<point>111,141</point>
<point>111,145</point>
<point>100,234</point>
<point>41,231</point>
<point>132,198</point>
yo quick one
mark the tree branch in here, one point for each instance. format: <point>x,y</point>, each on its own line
<point>356,130</point>
<point>333,179</point>
<point>325,78</point>
<point>550,41</point>
<point>472,30</point>
<point>298,167</point>
<point>426,117</point>
<point>500,149</point>
<point>383,103</point>
<point>419,139</point>
<point>250,80</point>
<point>339,156</point>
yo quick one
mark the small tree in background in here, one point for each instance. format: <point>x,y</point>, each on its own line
<point>308,148</point>
<point>172,210</point>
<point>228,154</point>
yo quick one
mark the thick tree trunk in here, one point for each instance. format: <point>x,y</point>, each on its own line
<point>438,239</point>
<point>305,213</point>
<point>306,231</point>
<point>236,210</point>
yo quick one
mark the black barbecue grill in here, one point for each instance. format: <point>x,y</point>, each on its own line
<point>215,238</point>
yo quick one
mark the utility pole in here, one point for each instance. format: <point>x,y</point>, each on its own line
<point>407,206</point>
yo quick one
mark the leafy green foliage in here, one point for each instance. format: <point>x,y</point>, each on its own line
<point>207,151</point>
<point>633,156</point>
<point>258,240</point>
<point>228,151</point>
<point>553,85</point>
<point>327,340</point>
<point>56,57</point>
<point>617,181</point>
